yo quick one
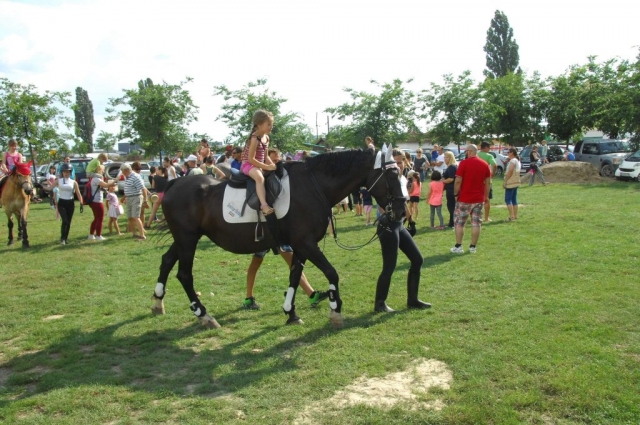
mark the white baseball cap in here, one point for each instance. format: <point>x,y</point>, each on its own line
<point>192,158</point>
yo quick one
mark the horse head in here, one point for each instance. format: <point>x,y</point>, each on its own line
<point>22,177</point>
<point>383,183</point>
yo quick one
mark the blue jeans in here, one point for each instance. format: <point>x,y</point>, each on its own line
<point>511,196</point>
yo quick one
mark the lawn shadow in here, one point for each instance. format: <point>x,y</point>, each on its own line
<point>156,363</point>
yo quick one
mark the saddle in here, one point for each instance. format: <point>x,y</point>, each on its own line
<point>272,186</point>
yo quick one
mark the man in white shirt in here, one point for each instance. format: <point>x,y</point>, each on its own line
<point>439,164</point>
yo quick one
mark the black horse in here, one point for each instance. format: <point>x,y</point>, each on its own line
<point>193,207</point>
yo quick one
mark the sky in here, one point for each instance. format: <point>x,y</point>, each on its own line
<point>309,51</point>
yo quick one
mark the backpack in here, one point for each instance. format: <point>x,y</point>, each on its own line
<point>87,197</point>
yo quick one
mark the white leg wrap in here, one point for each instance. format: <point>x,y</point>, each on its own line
<point>333,304</point>
<point>197,311</point>
<point>159,290</point>
<point>288,299</point>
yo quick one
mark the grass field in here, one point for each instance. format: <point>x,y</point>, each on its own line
<point>541,326</point>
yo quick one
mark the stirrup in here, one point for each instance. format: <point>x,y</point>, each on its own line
<point>259,238</point>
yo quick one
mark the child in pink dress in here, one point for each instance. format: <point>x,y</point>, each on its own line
<point>114,210</point>
<point>434,198</point>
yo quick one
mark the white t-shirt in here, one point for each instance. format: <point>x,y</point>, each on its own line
<point>516,165</point>
<point>66,187</point>
<point>95,187</point>
<point>403,186</point>
<point>195,171</point>
<point>442,166</point>
<point>171,175</point>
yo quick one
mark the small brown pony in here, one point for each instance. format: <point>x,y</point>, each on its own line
<point>15,198</point>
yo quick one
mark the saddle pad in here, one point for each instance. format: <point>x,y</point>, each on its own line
<point>233,201</point>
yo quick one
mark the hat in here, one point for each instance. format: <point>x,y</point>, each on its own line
<point>66,167</point>
<point>410,174</point>
<point>191,158</point>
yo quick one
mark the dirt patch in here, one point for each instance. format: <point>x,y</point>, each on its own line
<point>389,390</point>
<point>568,172</point>
<point>53,317</point>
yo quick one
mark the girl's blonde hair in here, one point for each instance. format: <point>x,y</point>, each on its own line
<point>452,158</point>
<point>259,117</point>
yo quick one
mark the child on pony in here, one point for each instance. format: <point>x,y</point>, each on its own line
<point>254,155</point>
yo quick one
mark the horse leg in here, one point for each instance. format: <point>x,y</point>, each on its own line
<point>186,253</point>
<point>289,306</point>
<point>318,259</point>
<point>10,226</point>
<point>20,229</point>
<point>25,235</point>
<point>169,260</point>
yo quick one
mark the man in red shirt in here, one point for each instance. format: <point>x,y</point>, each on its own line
<point>471,189</point>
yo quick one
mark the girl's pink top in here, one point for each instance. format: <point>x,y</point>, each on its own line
<point>261,150</point>
<point>112,199</point>
<point>435,197</point>
<point>12,159</point>
<point>416,188</point>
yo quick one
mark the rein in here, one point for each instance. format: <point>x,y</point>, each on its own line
<point>332,218</point>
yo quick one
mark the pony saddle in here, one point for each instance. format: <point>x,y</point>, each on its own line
<point>272,185</point>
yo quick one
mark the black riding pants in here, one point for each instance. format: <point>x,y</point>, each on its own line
<point>390,240</point>
<point>65,208</point>
<point>451,206</point>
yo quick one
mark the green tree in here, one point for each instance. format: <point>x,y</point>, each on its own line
<point>32,117</point>
<point>388,117</point>
<point>501,48</point>
<point>288,133</point>
<point>564,112</point>
<point>154,115</point>
<point>507,109</point>
<point>106,141</point>
<point>536,95</point>
<point>451,108</point>
<point>631,84</point>
<point>85,124</point>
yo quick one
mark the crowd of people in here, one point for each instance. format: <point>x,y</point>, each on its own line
<point>465,189</point>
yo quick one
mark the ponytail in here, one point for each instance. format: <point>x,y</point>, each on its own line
<point>255,127</point>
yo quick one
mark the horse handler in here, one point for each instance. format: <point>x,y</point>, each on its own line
<point>393,236</point>
<point>66,206</point>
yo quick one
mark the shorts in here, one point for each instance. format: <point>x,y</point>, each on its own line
<point>246,167</point>
<point>133,205</point>
<point>283,248</point>
<point>368,208</point>
<point>462,211</point>
<point>414,199</point>
<point>345,201</point>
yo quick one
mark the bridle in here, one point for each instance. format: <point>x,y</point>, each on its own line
<point>384,220</point>
<point>26,182</point>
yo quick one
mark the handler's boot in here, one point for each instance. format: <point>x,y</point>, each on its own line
<point>413,283</point>
<point>382,307</point>
<point>382,291</point>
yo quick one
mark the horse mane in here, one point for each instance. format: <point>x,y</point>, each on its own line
<point>336,163</point>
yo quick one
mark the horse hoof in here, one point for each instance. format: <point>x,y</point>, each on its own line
<point>10,243</point>
<point>209,322</point>
<point>157,310</point>
<point>295,321</point>
<point>25,245</point>
<point>336,320</point>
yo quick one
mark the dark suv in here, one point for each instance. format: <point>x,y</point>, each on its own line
<point>79,167</point>
<point>554,153</point>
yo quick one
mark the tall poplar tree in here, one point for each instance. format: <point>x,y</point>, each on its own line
<point>85,124</point>
<point>501,48</point>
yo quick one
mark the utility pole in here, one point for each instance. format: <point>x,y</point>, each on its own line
<point>317,136</point>
<point>327,125</point>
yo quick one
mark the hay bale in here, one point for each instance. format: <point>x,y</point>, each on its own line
<point>568,172</point>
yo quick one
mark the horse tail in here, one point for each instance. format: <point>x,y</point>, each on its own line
<point>161,233</point>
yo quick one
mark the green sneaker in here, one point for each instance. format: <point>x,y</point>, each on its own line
<point>317,296</point>
<point>250,304</point>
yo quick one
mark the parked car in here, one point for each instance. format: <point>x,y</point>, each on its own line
<point>630,168</point>
<point>554,153</point>
<point>605,154</point>
<point>144,173</point>
<point>79,167</point>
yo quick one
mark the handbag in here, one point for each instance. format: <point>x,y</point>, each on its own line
<point>120,210</point>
